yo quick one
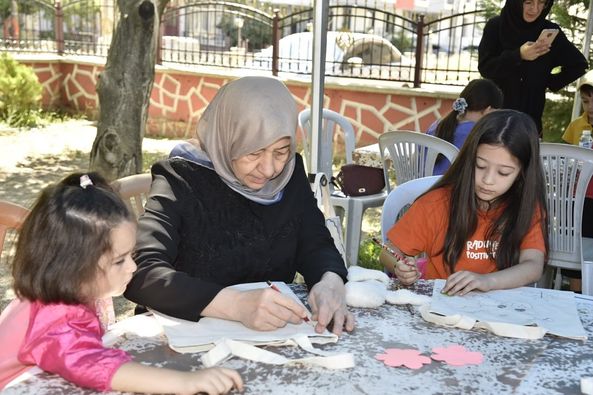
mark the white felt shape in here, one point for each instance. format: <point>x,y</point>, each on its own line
<point>498,328</point>
<point>587,385</point>
<point>369,294</point>
<point>226,348</point>
<point>404,296</point>
<point>357,273</point>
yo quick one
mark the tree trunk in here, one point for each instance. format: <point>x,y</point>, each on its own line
<point>124,89</point>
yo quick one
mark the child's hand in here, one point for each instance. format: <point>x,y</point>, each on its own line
<point>213,381</point>
<point>406,271</point>
<point>464,281</point>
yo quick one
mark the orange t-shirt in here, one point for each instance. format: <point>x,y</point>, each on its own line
<point>424,226</point>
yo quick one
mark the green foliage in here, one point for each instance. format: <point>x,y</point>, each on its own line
<point>79,15</point>
<point>20,93</point>
<point>557,114</point>
<point>491,7</point>
<point>561,15</point>
<point>150,158</point>
<point>256,32</point>
<point>368,255</point>
<point>23,7</point>
<point>402,42</point>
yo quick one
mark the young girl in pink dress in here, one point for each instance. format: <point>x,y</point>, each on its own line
<point>74,249</point>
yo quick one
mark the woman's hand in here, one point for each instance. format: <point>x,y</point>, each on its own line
<point>267,309</point>
<point>533,50</point>
<point>328,303</point>
<point>462,282</point>
<point>260,309</point>
<point>406,271</point>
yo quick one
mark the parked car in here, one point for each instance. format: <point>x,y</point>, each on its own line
<point>347,54</point>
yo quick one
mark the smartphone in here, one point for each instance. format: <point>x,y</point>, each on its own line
<point>547,36</point>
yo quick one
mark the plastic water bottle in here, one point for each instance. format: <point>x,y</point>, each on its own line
<point>586,140</point>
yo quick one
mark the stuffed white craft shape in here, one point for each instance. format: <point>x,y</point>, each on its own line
<point>368,288</point>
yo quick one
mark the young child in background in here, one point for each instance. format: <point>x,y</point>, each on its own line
<point>482,225</point>
<point>572,135</point>
<point>74,248</point>
<point>477,99</point>
<point>573,131</point>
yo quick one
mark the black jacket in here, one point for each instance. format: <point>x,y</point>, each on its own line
<point>524,83</point>
<point>198,236</point>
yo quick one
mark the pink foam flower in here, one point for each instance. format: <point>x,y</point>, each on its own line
<point>457,355</point>
<point>409,358</point>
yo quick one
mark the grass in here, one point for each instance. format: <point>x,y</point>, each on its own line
<point>368,254</point>
<point>150,158</point>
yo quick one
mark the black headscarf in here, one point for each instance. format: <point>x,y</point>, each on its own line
<point>514,31</point>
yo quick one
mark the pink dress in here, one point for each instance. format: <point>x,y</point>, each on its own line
<point>61,339</point>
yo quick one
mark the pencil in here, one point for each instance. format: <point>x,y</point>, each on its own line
<point>392,252</point>
<point>271,285</point>
<point>275,288</point>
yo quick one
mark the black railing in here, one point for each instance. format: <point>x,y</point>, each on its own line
<point>363,41</point>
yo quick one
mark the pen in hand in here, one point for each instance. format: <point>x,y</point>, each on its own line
<point>275,288</point>
<point>271,285</point>
<point>392,252</point>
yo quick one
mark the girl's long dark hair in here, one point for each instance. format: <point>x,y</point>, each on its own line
<point>479,94</point>
<point>525,199</point>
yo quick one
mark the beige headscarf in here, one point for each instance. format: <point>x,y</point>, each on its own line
<point>245,116</point>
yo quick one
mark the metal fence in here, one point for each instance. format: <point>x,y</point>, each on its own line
<point>80,27</point>
<point>363,41</point>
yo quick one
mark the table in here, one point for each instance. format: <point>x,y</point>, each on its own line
<point>547,366</point>
<point>369,155</point>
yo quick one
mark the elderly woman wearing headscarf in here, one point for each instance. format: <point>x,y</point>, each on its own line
<point>241,211</point>
<point>511,55</point>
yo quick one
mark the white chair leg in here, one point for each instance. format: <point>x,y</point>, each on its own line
<point>558,279</point>
<point>587,278</point>
<point>353,229</point>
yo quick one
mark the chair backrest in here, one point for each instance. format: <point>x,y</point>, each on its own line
<point>331,119</point>
<point>400,198</point>
<point>134,191</point>
<point>567,170</point>
<point>412,154</point>
<point>12,217</point>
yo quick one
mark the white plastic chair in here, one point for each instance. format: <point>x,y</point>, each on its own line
<point>567,170</point>
<point>400,198</point>
<point>412,154</point>
<point>134,191</point>
<point>352,207</point>
<point>12,217</point>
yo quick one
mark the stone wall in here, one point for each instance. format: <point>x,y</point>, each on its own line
<point>179,97</point>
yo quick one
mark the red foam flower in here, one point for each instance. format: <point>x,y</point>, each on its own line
<point>409,358</point>
<point>457,355</point>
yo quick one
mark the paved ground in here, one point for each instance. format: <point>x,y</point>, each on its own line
<point>32,159</point>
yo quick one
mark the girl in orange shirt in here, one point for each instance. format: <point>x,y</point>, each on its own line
<point>483,225</point>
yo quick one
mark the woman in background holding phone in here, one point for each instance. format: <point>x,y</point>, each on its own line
<point>514,54</point>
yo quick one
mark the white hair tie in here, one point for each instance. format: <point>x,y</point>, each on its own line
<point>85,181</point>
